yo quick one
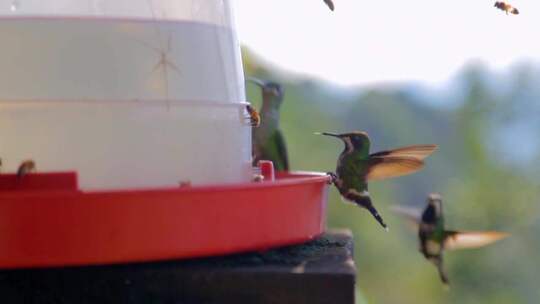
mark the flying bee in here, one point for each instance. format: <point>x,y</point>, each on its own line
<point>254,117</point>
<point>27,166</point>
<point>330,4</point>
<point>506,7</point>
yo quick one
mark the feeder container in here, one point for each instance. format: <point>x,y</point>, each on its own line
<point>127,93</point>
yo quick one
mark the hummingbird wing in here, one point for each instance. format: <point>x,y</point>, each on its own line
<point>330,4</point>
<point>417,151</point>
<point>471,239</point>
<point>383,167</point>
<point>412,215</point>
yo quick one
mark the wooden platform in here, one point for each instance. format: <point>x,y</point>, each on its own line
<point>321,271</point>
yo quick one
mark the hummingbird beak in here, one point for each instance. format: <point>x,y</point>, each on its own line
<point>256,81</point>
<point>328,134</point>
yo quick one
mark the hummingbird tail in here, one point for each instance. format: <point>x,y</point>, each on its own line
<point>377,216</point>
<point>442,274</point>
<point>363,199</point>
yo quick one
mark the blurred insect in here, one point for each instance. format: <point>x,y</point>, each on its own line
<point>184,184</point>
<point>258,178</point>
<point>26,167</point>
<point>0,165</point>
<point>506,7</point>
<point>434,238</point>
<point>356,166</point>
<point>254,116</point>
<point>165,65</point>
<point>330,4</point>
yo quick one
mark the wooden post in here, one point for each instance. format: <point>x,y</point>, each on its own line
<point>321,271</point>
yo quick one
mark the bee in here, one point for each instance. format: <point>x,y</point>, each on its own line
<point>507,7</point>
<point>184,184</point>
<point>330,4</point>
<point>27,166</point>
<point>254,117</point>
<point>258,178</point>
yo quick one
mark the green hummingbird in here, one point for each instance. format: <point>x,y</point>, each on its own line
<point>356,166</point>
<point>434,238</point>
<point>268,140</point>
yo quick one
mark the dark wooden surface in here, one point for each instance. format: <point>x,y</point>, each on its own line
<point>321,271</point>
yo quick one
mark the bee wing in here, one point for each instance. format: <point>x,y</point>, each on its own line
<point>389,166</point>
<point>471,239</point>
<point>417,151</point>
<point>411,215</point>
<point>330,4</point>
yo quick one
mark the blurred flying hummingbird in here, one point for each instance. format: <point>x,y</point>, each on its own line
<point>267,140</point>
<point>355,167</point>
<point>434,239</point>
<point>330,4</point>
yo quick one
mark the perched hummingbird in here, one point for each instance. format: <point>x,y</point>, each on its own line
<point>268,141</point>
<point>506,7</point>
<point>355,167</point>
<point>434,239</point>
<point>25,167</point>
<point>330,4</point>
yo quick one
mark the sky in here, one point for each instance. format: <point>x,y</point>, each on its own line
<point>388,41</point>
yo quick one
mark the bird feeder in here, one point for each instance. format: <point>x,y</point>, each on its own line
<point>134,113</point>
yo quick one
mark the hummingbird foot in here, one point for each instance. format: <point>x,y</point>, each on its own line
<point>333,178</point>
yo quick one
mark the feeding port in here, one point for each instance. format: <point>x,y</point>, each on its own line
<point>127,93</point>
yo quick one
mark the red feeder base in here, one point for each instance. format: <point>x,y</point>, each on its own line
<point>46,221</point>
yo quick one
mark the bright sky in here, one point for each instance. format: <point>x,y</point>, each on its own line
<point>364,42</point>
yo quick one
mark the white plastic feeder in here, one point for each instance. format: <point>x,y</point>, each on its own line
<point>127,93</point>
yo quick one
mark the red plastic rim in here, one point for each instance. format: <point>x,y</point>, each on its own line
<point>62,226</point>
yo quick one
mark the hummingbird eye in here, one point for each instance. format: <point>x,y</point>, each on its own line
<point>357,142</point>
<point>273,89</point>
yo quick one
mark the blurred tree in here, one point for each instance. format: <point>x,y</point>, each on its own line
<point>481,189</point>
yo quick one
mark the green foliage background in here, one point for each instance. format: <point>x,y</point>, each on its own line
<point>487,170</point>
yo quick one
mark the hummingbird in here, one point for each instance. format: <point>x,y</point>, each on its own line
<point>25,167</point>
<point>268,140</point>
<point>434,238</point>
<point>330,4</point>
<point>506,7</point>
<point>356,166</point>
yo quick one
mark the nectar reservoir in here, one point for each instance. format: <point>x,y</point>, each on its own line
<point>127,93</point>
